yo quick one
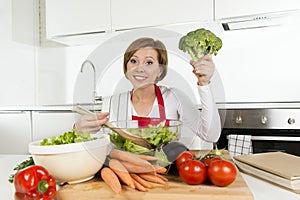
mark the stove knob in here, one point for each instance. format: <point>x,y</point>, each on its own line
<point>238,119</point>
<point>263,119</point>
<point>291,121</point>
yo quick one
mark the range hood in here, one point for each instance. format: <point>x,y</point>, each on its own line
<point>260,20</point>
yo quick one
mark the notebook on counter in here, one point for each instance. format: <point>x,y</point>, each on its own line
<point>279,168</point>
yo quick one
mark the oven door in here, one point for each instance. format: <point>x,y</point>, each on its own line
<point>271,129</point>
<point>288,144</point>
<point>266,140</point>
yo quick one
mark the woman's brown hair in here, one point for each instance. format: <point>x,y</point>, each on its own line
<point>148,42</point>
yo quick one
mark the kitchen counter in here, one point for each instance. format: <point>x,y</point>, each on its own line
<point>260,189</point>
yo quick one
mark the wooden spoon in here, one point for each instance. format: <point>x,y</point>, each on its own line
<point>123,133</point>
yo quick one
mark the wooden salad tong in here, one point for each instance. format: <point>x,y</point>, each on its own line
<point>123,133</point>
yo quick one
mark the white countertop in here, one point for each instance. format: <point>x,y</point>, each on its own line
<point>260,189</point>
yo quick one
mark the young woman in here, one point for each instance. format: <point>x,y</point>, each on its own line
<point>145,64</point>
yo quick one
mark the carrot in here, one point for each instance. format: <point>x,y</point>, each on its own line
<point>139,186</point>
<point>132,168</point>
<point>152,178</point>
<point>128,157</point>
<point>160,169</point>
<point>147,157</point>
<point>161,177</point>
<point>143,182</point>
<point>111,179</point>
<point>122,172</point>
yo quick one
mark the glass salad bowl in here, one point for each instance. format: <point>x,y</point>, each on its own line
<point>156,132</point>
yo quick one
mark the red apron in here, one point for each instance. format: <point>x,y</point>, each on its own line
<point>145,121</point>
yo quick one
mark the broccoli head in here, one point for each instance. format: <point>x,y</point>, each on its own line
<point>199,43</point>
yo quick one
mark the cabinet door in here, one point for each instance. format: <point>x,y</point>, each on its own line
<point>68,17</point>
<point>237,8</point>
<point>15,132</point>
<point>51,123</point>
<point>140,13</point>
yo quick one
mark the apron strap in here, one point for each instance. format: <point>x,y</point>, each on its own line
<point>160,101</point>
<point>145,121</point>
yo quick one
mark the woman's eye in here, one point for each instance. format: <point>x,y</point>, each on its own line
<point>149,63</point>
<point>133,61</point>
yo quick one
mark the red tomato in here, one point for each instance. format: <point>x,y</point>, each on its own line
<point>207,161</point>
<point>183,157</point>
<point>221,172</point>
<point>193,172</point>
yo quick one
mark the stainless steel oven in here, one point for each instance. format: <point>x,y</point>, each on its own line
<point>271,129</point>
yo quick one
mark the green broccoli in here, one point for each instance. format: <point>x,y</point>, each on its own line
<point>199,43</point>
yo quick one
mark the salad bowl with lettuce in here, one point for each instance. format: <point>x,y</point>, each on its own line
<point>157,133</point>
<point>71,157</point>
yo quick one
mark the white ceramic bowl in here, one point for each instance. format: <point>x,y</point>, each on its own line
<point>71,163</point>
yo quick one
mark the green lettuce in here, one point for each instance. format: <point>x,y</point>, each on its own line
<point>156,135</point>
<point>67,138</point>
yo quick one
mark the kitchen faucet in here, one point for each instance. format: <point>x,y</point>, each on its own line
<point>94,83</point>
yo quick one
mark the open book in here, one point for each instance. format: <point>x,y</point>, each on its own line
<point>279,168</point>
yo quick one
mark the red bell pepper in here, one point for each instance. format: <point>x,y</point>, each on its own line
<point>34,183</point>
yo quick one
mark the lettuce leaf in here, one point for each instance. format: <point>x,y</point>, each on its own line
<point>156,135</point>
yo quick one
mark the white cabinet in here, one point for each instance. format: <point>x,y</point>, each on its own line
<point>57,22</point>
<point>19,127</point>
<point>15,132</point>
<point>237,8</point>
<point>68,17</point>
<point>138,13</point>
<point>51,123</point>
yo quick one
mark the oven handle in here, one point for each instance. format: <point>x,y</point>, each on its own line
<point>276,138</point>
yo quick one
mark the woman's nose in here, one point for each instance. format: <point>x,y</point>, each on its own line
<point>140,68</point>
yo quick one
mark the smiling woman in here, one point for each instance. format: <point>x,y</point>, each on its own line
<point>145,64</point>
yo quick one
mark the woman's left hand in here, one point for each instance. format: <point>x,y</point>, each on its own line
<point>203,69</point>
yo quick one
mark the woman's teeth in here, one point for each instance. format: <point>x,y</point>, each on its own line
<point>140,77</point>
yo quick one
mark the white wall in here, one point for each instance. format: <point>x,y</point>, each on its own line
<point>261,65</point>
<point>17,64</point>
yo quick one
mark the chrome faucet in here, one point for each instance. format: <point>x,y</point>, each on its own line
<point>94,70</point>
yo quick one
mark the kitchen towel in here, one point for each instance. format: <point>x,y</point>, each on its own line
<point>239,144</point>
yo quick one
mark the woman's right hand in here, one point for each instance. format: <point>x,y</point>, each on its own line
<point>91,123</point>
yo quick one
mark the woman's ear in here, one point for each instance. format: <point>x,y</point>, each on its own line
<point>158,77</point>
<point>161,71</point>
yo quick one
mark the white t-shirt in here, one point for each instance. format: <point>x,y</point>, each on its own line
<point>200,128</point>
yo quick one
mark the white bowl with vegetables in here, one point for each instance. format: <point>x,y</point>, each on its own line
<point>74,159</point>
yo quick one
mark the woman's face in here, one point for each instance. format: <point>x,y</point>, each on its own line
<point>143,67</point>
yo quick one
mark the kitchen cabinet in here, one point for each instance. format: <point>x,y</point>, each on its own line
<point>138,14</point>
<point>66,17</point>
<point>237,8</point>
<point>15,132</point>
<point>21,125</point>
<point>76,18</point>
<point>51,123</point>
<point>72,17</point>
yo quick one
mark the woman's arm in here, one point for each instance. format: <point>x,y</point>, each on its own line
<point>205,122</point>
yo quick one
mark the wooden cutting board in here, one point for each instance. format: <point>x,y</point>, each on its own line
<point>175,189</point>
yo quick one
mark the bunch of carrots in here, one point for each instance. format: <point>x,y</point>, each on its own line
<point>133,170</point>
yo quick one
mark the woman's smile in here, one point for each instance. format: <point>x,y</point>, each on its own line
<point>139,77</point>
